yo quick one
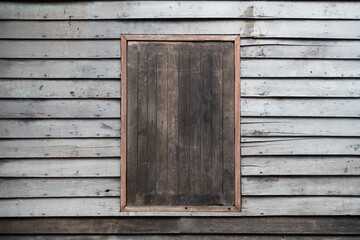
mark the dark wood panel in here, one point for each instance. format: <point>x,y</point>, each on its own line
<point>176,114</point>
<point>175,225</point>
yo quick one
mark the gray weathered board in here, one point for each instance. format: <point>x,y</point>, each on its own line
<point>60,106</point>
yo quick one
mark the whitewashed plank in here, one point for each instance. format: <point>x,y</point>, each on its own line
<point>300,186</point>
<point>59,49</point>
<point>300,146</point>
<point>18,88</point>
<point>347,127</point>
<point>336,29</point>
<point>72,167</point>
<point>180,9</point>
<point>300,87</point>
<point>89,128</point>
<point>299,68</point>
<point>59,108</point>
<point>252,206</point>
<point>286,107</point>
<point>68,148</point>
<point>251,48</point>
<point>60,68</point>
<point>279,48</point>
<point>321,206</point>
<point>70,187</point>
<point>107,206</point>
<point>290,166</point>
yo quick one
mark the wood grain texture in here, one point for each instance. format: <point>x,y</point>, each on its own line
<point>174,237</point>
<point>182,9</point>
<point>188,102</point>
<point>69,187</point>
<point>304,206</point>
<point>61,88</point>
<point>299,146</point>
<point>323,29</point>
<point>299,68</point>
<point>56,168</point>
<point>311,107</point>
<point>106,206</point>
<point>60,68</point>
<point>300,166</point>
<point>340,87</point>
<point>60,108</point>
<point>346,127</point>
<point>66,128</point>
<point>301,186</point>
<point>251,48</point>
<point>68,148</point>
<point>271,225</point>
<point>100,225</point>
<point>61,49</point>
<point>319,49</point>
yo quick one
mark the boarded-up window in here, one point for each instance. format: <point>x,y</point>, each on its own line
<point>179,136</point>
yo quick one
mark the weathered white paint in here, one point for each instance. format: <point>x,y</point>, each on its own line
<point>300,166</point>
<point>335,29</point>
<point>70,187</point>
<point>347,127</point>
<point>60,88</point>
<point>67,128</point>
<point>59,49</point>
<point>300,146</point>
<point>252,206</point>
<point>280,48</point>
<point>60,68</point>
<point>71,167</point>
<point>60,108</point>
<point>180,9</point>
<point>300,186</point>
<point>299,68</point>
<point>300,87</point>
<point>277,206</point>
<point>68,148</point>
<point>311,107</point>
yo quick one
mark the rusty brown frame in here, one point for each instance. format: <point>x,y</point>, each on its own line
<point>124,43</point>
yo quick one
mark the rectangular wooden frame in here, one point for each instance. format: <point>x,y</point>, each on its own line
<point>124,43</point>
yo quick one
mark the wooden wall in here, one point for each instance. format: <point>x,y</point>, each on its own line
<point>60,102</point>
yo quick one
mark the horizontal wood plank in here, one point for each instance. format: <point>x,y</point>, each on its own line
<point>55,168</point>
<point>299,146</point>
<point>280,48</point>
<point>111,68</point>
<point>251,206</point>
<point>335,29</point>
<point>251,48</point>
<point>181,9</point>
<point>106,206</point>
<point>174,237</point>
<point>299,68</point>
<point>60,68</point>
<point>271,225</point>
<point>60,108</point>
<point>60,88</point>
<point>70,187</point>
<point>59,49</point>
<point>277,107</point>
<point>59,128</point>
<point>68,148</point>
<point>290,166</point>
<point>300,186</point>
<point>252,126</point>
<point>277,206</point>
<point>300,88</point>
